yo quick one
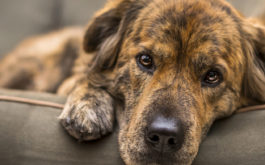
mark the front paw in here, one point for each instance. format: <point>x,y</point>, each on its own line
<point>88,117</point>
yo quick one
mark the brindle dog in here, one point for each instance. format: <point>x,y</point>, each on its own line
<point>166,69</point>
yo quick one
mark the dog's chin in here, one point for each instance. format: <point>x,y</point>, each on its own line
<point>157,158</point>
<point>136,152</point>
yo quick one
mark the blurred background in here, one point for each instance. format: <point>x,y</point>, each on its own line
<point>23,18</point>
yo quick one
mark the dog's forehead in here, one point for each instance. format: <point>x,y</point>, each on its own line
<point>184,27</point>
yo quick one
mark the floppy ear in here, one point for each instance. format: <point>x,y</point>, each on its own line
<point>102,36</point>
<point>105,23</point>
<point>254,83</point>
<point>105,33</point>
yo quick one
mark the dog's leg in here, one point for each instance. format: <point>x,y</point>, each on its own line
<point>88,113</point>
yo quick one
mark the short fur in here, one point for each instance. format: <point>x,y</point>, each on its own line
<point>186,38</point>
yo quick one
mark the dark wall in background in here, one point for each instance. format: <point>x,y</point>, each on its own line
<point>24,18</point>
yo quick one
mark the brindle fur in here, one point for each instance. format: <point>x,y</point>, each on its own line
<point>185,37</point>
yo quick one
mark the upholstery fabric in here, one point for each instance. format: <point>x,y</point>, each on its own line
<point>32,135</point>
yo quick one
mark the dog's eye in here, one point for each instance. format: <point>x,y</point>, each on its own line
<point>212,78</point>
<point>145,62</point>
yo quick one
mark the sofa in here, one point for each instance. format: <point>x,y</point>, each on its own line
<point>32,135</point>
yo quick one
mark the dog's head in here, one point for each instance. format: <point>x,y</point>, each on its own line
<point>176,65</point>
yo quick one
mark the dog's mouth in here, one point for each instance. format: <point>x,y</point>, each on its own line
<point>160,158</point>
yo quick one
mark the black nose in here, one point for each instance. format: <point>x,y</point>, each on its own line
<point>165,135</point>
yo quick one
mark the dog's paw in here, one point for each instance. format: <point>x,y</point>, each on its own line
<point>89,117</point>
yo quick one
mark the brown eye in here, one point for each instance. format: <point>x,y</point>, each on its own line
<point>212,78</point>
<point>146,61</point>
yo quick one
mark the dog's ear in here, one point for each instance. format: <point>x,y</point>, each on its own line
<point>105,32</point>
<point>104,24</point>
<point>254,83</point>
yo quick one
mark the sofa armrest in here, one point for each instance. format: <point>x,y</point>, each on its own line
<point>32,135</point>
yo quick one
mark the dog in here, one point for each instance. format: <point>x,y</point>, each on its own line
<point>164,69</point>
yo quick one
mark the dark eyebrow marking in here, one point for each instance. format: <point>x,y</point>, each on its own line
<point>200,70</point>
<point>145,50</point>
<point>202,63</point>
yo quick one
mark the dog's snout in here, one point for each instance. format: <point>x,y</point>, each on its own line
<point>165,135</point>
